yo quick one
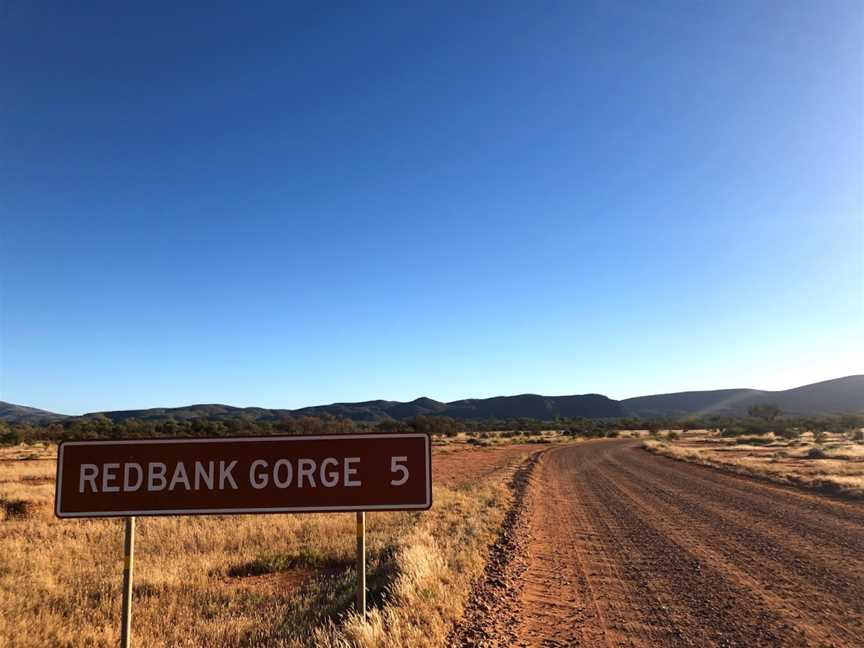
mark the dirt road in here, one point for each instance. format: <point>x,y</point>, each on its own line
<point>624,548</point>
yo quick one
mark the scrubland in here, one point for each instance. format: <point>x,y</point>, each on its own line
<point>265,580</point>
<point>830,463</point>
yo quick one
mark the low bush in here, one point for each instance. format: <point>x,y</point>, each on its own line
<point>17,509</point>
<point>754,440</point>
<point>816,453</point>
<point>789,432</point>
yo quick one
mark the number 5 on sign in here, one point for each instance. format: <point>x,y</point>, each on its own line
<point>397,464</point>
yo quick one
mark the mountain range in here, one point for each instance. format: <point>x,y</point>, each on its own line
<point>838,396</point>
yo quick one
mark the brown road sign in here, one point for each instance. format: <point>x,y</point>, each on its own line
<point>356,472</point>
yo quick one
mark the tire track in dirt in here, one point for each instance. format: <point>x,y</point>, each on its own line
<point>620,547</point>
<point>836,521</point>
<point>799,561</point>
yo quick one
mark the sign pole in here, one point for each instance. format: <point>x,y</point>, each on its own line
<point>361,564</point>
<point>128,563</point>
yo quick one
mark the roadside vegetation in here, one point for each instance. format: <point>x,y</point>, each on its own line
<point>822,453</point>
<point>268,580</point>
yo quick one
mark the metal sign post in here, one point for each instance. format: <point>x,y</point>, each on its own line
<point>361,564</point>
<point>128,565</point>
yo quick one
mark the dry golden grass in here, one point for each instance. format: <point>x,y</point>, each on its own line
<point>499,438</point>
<point>841,470</point>
<point>267,580</point>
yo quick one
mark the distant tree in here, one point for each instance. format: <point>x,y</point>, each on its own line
<point>849,424</point>
<point>787,429</point>
<point>389,425</point>
<point>8,436</point>
<point>579,426</point>
<point>653,427</point>
<point>764,411</point>
<point>714,424</point>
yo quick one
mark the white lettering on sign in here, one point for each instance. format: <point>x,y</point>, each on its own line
<point>179,476</point>
<point>397,464</point>
<point>256,478</point>
<point>89,472</point>
<point>287,470</point>
<point>204,475</point>
<point>109,475</point>
<point>351,471</point>
<point>156,471</point>
<point>329,474</point>
<point>130,477</point>
<point>225,475</point>
<point>305,468</point>
<point>329,480</point>
<point>127,484</point>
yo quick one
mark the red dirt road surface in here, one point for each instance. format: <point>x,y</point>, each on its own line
<point>612,546</point>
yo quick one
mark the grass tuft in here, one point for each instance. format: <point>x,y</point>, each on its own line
<point>816,453</point>
<point>305,558</point>
<point>17,509</point>
<point>836,466</point>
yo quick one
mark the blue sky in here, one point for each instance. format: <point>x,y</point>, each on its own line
<point>291,205</point>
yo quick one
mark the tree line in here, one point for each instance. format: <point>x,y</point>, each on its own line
<point>760,419</point>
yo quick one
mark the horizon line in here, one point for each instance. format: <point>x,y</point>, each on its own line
<point>332,403</point>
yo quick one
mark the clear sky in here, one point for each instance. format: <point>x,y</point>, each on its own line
<point>292,205</point>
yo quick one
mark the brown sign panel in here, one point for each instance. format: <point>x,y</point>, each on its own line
<point>356,472</point>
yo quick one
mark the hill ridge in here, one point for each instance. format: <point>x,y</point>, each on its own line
<point>836,396</point>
